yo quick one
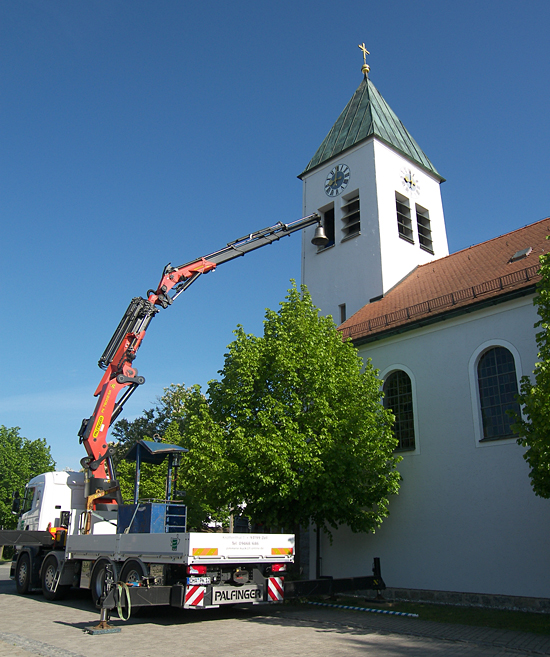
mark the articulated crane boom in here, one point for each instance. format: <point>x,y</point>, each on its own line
<point>75,531</point>
<point>117,360</point>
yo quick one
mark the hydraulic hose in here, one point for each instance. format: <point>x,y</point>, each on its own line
<point>122,590</point>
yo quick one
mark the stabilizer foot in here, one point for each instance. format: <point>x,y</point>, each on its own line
<point>103,627</point>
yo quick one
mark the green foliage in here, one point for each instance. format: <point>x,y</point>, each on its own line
<point>152,481</point>
<point>208,475</point>
<point>293,433</point>
<point>171,407</point>
<point>21,459</point>
<point>534,428</point>
<point>181,417</point>
<point>305,430</point>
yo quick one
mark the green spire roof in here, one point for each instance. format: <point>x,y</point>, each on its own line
<point>367,114</point>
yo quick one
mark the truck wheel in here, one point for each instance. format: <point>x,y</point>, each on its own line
<point>49,569</point>
<point>23,574</point>
<point>132,571</point>
<point>97,579</point>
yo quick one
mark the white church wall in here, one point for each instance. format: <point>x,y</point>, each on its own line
<point>399,256</point>
<point>466,518</point>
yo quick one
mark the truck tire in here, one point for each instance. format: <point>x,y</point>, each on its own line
<point>97,579</point>
<point>48,571</point>
<point>23,574</point>
<point>132,571</point>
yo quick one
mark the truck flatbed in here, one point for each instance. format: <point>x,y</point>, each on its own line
<point>185,547</point>
<point>25,537</point>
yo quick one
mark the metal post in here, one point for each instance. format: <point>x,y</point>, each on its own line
<point>169,477</point>
<point>138,473</point>
<point>318,553</point>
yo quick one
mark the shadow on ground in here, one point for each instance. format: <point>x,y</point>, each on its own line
<point>383,635</point>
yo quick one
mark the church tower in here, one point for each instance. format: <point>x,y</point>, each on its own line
<point>380,202</point>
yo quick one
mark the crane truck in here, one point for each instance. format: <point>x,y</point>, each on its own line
<point>75,530</point>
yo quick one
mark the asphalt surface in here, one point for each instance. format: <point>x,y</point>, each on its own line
<point>32,626</point>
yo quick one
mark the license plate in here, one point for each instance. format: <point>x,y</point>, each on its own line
<point>198,580</point>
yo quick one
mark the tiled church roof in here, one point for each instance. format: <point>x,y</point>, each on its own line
<point>483,273</point>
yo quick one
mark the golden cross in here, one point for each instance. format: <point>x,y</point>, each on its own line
<point>361,46</point>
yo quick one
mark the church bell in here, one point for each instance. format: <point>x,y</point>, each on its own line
<point>319,239</point>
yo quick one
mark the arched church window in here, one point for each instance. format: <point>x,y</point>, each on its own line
<point>399,399</point>
<point>498,387</point>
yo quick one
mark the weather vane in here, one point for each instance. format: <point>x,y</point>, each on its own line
<point>365,68</point>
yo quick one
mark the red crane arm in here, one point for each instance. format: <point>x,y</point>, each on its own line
<point>117,360</point>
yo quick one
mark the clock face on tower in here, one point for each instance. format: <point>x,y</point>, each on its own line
<point>337,180</point>
<point>410,182</point>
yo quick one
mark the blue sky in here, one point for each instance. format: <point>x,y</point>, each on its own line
<point>140,132</point>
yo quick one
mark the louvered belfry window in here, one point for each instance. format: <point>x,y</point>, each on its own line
<point>404,223</point>
<point>424,229</point>
<point>351,216</point>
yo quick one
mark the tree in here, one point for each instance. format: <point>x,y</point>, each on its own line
<point>534,427</point>
<point>304,427</point>
<point>293,433</point>
<point>21,459</point>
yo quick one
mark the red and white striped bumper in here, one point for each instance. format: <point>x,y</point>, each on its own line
<point>194,596</point>
<point>275,589</point>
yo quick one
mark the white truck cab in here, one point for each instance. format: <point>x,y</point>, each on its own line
<point>49,495</point>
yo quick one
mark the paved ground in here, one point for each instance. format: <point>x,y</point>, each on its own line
<point>32,626</point>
